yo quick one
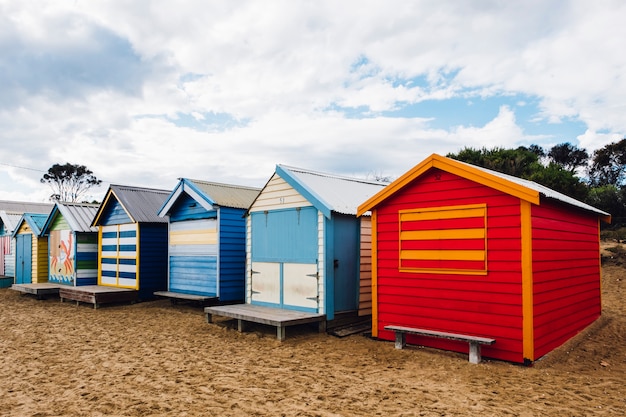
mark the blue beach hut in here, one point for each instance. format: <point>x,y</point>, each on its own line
<point>132,240</point>
<point>207,230</point>
<point>31,250</point>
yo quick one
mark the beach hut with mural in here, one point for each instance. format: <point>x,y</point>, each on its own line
<point>467,257</point>
<point>303,251</point>
<point>207,235</point>
<point>31,255</point>
<point>72,244</point>
<point>10,214</point>
<point>132,248</point>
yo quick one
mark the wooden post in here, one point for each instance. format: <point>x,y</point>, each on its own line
<point>474,352</point>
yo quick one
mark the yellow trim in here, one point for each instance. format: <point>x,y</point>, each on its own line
<point>442,255</point>
<point>442,234</point>
<point>137,257</point>
<point>444,271</point>
<point>528,326</point>
<point>443,212</point>
<point>454,167</point>
<point>374,274</point>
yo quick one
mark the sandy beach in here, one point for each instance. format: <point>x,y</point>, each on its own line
<point>158,359</point>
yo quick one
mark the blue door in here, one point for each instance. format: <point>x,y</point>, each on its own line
<point>346,263</point>
<point>23,259</point>
<point>284,259</point>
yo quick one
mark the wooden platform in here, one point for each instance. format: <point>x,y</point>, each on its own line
<point>280,318</point>
<point>177,296</point>
<point>97,294</point>
<point>40,290</point>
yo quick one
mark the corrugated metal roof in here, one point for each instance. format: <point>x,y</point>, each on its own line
<point>10,220</point>
<point>340,194</point>
<point>541,189</point>
<point>25,207</point>
<point>79,215</point>
<point>227,195</point>
<point>36,222</point>
<point>141,204</point>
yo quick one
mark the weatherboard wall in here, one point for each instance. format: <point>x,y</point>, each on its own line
<point>474,288</point>
<point>206,250</point>
<point>566,274</point>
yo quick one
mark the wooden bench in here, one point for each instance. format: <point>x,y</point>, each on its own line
<point>474,341</point>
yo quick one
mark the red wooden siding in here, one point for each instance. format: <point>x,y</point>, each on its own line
<point>469,300</point>
<point>566,274</point>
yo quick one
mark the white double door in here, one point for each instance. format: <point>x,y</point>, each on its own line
<point>285,285</point>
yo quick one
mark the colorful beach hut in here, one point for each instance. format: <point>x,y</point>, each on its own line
<point>31,250</point>
<point>10,214</point>
<point>132,240</point>
<point>464,250</point>
<point>207,230</point>
<point>72,244</point>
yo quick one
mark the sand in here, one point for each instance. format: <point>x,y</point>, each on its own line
<point>158,359</point>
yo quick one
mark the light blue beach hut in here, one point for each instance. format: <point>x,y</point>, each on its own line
<point>207,232</point>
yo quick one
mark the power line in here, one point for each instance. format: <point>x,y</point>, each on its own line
<point>17,166</point>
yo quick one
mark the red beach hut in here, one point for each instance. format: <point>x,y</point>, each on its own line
<point>465,250</point>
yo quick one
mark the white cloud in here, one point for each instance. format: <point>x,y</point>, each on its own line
<point>149,91</point>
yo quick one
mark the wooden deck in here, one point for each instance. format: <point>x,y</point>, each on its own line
<point>97,294</point>
<point>177,296</point>
<point>280,318</point>
<point>40,290</point>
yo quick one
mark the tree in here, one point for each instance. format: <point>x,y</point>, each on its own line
<point>69,182</point>
<point>518,162</point>
<point>608,166</point>
<point>568,156</point>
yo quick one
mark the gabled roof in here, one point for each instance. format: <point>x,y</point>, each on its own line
<point>526,190</point>
<point>34,220</point>
<point>10,220</point>
<point>25,207</point>
<point>77,215</point>
<point>11,212</point>
<point>327,192</point>
<point>140,204</point>
<point>209,194</point>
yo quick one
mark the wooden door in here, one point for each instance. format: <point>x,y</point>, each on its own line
<point>23,259</point>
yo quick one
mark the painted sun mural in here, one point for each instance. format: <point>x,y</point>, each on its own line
<point>62,256</point>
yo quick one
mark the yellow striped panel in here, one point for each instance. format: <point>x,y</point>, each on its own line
<point>193,237</point>
<point>442,213</point>
<point>443,234</point>
<point>443,255</point>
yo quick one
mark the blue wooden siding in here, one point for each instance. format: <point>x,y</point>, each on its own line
<point>114,213</point>
<point>232,254</point>
<point>194,275</point>
<point>275,233</point>
<point>193,257</point>
<point>152,259</point>
<point>186,208</point>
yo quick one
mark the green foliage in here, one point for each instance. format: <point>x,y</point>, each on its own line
<point>518,162</point>
<point>568,156</point>
<point>69,182</point>
<point>605,189</point>
<point>608,166</point>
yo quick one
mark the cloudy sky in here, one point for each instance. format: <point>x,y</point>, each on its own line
<point>146,92</point>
